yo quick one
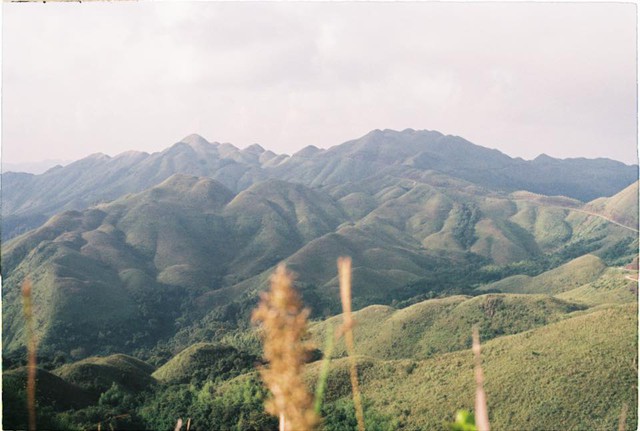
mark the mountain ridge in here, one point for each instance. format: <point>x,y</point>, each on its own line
<point>29,200</point>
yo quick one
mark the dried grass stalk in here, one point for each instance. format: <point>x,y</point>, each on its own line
<point>27,308</point>
<point>344,274</point>
<point>284,323</point>
<point>481,413</point>
<point>622,421</point>
<point>323,376</point>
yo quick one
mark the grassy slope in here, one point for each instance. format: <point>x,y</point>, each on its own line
<point>571,275</point>
<point>50,389</point>
<point>443,325</point>
<point>622,207</point>
<point>190,238</point>
<point>573,374</point>
<point>614,286</point>
<point>97,374</point>
<point>204,360</point>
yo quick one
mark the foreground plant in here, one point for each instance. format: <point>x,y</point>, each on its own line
<point>284,324</point>
<point>481,413</point>
<point>344,273</point>
<point>27,308</point>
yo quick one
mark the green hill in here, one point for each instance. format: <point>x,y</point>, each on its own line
<point>443,325</point>
<point>574,374</point>
<point>98,374</point>
<point>125,270</point>
<point>614,286</point>
<point>205,361</point>
<point>622,207</point>
<point>51,390</point>
<point>53,394</point>
<point>571,275</point>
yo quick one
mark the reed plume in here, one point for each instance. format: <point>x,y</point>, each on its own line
<point>344,274</point>
<point>284,324</point>
<point>482,416</point>
<point>27,308</point>
<point>622,420</point>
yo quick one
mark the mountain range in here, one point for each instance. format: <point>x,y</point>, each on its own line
<point>424,156</point>
<point>150,255</point>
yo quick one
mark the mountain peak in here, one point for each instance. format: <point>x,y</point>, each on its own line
<point>544,158</point>
<point>194,139</point>
<point>254,149</point>
<point>308,151</point>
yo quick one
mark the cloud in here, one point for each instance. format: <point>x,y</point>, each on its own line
<point>525,78</point>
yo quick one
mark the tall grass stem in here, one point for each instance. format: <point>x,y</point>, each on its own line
<point>284,324</point>
<point>622,422</point>
<point>27,308</point>
<point>324,370</point>
<point>344,275</point>
<point>481,413</point>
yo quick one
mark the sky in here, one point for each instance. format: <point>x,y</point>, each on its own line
<point>525,78</point>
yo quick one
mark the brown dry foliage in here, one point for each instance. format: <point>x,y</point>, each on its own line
<point>284,324</point>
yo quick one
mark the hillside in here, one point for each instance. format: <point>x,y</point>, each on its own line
<point>443,325</point>
<point>620,207</point>
<point>53,395</point>
<point>415,371</point>
<point>126,269</point>
<point>205,361</point>
<point>97,374</point>
<point>573,374</point>
<point>576,273</point>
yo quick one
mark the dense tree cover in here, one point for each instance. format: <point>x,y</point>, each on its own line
<point>467,215</point>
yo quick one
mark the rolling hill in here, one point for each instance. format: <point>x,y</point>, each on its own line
<point>125,270</point>
<point>443,325</point>
<point>574,374</point>
<point>98,374</point>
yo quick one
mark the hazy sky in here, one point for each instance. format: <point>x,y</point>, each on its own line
<point>525,78</point>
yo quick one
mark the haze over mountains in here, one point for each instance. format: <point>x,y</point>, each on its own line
<point>149,254</point>
<point>28,200</point>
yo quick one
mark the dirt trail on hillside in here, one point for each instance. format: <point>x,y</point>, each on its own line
<point>584,212</point>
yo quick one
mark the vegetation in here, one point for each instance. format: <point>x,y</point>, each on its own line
<point>204,362</point>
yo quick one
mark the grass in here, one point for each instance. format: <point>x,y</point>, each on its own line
<point>571,275</point>
<point>442,325</point>
<point>204,361</point>
<point>98,374</point>
<point>614,286</point>
<point>573,374</point>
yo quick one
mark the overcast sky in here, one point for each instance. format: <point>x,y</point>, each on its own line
<point>526,78</point>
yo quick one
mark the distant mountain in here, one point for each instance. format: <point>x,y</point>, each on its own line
<point>389,151</point>
<point>34,167</point>
<point>428,156</point>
